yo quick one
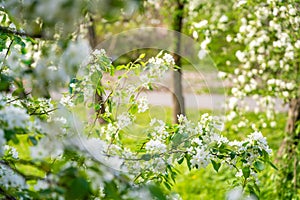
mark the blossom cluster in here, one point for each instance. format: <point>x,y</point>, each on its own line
<point>157,67</point>
<point>201,144</point>
<point>70,153</point>
<point>264,37</point>
<point>91,145</point>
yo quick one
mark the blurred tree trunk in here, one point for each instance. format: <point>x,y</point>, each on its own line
<point>288,152</point>
<point>93,42</point>
<point>290,129</point>
<point>293,117</point>
<point>178,99</point>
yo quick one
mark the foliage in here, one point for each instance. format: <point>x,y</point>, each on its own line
<point>48,153</point>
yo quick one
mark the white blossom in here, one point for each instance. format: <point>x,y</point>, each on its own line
<point>200,24</point>
<point>222,75</point>
<point>143,104</point>
<point>11,151</point>
<point>257,136</point>
<point>241,56</point>
<point>123,120</point>
<point>239,173</point>
<point>155,146</point>
<point>201,54</point>
<point>232,102</point>
<point>2,141</point>
<point>195,35</point>
<point>14,117</point>
<point>41,185</point>
<point>235,194</point>
<point>201,158</point>
<point>273,124</point>
<point>169,59</point>
<point>78,51</point>
<point>67,101</point>
<point>9,178</point>
<point>223,19</point>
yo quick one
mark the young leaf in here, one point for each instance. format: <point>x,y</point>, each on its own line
<point>32,141</point>
<point>146,157</point>
<point>246,172</point>
<point>156,192</point>
<point>134,109</point>
<point>272,165</point>
<point>167,186</point>
<point>142,56</point>
<point>180,160</point>
<point>216,165</point>
<point>259,165</point>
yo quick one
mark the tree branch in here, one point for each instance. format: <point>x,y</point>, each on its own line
<point>7,196</point>
<point>21,34</point>
<point>42,113</point>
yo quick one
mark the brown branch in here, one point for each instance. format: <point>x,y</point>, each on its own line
<point>42,113</point>
<point>19,98</point>
<point>21,34</point>
<point>7,196</point>
<point>8,49</point>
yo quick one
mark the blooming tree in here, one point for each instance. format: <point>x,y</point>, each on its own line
<point>48,151</point>
<point>261,40</point>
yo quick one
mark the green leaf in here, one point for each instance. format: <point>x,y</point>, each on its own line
<point>111,191</point>
<point>79,189</point>
<point>120,67</point>
<point>27,61</point>
<point>134,109</point>
<point>156,192</point>
<point>252,191</point>
<point>19,92</point>
<point>173,176</point>
<point>11,135</point>
<point>32,141</point>
<point>97,107</point>
<point>143,64</point>
<point>188,161</point>
<point>96,77</point>
<point>132,99</point>
<point>79,99</point>
<point>180,160</point>
<point>146,157</point>
<point>176,139</point>
<point>19,41</point>
<point>272,165</point>
<point>256,187</point>
<point>245,144</point>
<point>259,165</point>
<point>246,172</point>
<point>3,19</point>
<point>167,185</point>
<point>216,165</point>
<point>142,56</point>
<point>5,82</point>
<point>112,70</point>
<point>100,90</point>
<point>23,50</point>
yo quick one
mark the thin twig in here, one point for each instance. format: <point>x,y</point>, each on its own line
<point>6,54</point>
<point>22,34</point>
<point>42,113</point>
<point>18,98</point>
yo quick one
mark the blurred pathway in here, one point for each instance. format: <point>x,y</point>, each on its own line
<point>205,101</point>
<point>199,92</point>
